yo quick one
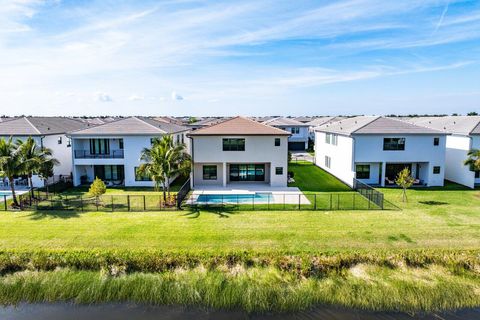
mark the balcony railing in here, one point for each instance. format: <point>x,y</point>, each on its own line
<point>85,154</point>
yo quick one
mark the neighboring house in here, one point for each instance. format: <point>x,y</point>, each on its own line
<point>375,149</point>
<point>49,132</point>
<point>206,122</point>
<point>320,121</point>
<point>239,151</point>
<point>464,135</point>
<point>298,141</point>
<point>111,151</point>
<point>305,119</point>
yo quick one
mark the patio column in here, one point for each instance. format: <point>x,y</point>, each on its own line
<point>224,175</point>
<point>384,168</point>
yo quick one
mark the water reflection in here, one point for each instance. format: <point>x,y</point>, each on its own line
<point>60,311</point>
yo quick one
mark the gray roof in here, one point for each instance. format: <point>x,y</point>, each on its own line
<point>375,125</point>
<point>131,126</point>
<point>462,125</point>
<point>305,119</point>
<point>208,121</point>
<point>323,120</point>
<point>285,122</point>
<point>39,126</point>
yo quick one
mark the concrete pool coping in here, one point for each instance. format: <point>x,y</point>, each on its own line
<point>279,195</point>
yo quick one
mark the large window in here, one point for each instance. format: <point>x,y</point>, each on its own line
<point>109,172</point>
<point>99,146</point>
<point>279,170</point>
<point>233,144</point>
<point>331,138</point>
<point>477,174</point>
<point>363,171</point>
<point>277,142</point>
<point>210,172</point>
<point>436,170</point>
<point>295,130</point>
<point>328,161</point>
<point>141,177</point>
<point>394,144</point>
<point>247,172</point>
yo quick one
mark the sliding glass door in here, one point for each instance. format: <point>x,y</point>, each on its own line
<point>247,172</point>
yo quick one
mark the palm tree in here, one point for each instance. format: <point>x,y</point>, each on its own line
<point>164,161</point>
<point>33,158</point>
<point>473,159</point>
<point>11,164</point>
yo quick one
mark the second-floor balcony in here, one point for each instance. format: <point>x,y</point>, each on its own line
<point>86,154</point>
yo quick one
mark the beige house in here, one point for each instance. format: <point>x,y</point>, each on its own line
<point>239,151</point>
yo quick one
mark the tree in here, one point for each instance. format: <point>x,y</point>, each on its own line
<point>45,170</point>
<point>97,189</point>
<point>473,159</point>
<point>473,113</point>
<point>164,161</point>
<point>192,120</point>
<point>33,157</point>
<point>405,180</point>
<point>11,164</point>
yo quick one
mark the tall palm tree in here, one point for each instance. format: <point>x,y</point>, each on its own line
<point>33,157</point>
<point>11,164</point>
<point>473,159</point>
<point>164,161</point>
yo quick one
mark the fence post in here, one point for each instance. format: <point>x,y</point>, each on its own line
<point>253,201</point>
<point>299,201</point>
<point>144,204</point>
<point>268,203</point>
<point>128,202</point>
<point>112,202</point>
<point>5,202</point>
<point>81,203</point>
<point>159,202</point>
<point>96,202</point>
<point>315,201</point>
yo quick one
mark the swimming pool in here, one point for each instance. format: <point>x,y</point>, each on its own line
<point>5,193</point>
<point>235,198</point>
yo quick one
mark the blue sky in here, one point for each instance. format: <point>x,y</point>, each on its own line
<point>239,57</point>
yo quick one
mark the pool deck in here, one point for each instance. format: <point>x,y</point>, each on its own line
<point>288,195</point>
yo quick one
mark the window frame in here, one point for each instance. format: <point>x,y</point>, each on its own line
<point>295,130</point>
<point>391,143</point>
<point>436,141</point>
<point>277,142</point>
<point>278,171</point>
<point>367,173</point>
<point>208,175</point>
<point>328,162</point>
<point>142,178</point>
<point>227,142</point>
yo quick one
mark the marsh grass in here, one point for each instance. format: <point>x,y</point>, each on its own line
<point>254,289</point>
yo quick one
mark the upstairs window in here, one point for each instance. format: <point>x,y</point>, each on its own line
<point>59,140</point>
<point>141,177</point>
<point>295,130</point>
<point>394,144</point>
<point>436,141</point>
<point>278,170</point>
<point>331,138</point>
<point>120,144</point>
<point>99,146</point>
<point>277,142</point>
<point>233,144</point>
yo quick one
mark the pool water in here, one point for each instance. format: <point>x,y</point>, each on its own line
<point>234,198</point>
<point>5,193</point>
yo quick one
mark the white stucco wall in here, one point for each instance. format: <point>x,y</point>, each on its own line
<point>476,145</point>
<point>374,173</point>
<point>341,157</point>
<point>418,148</point>
<point>258,149</point>
<point>133,146</point>
<point>456,154</point>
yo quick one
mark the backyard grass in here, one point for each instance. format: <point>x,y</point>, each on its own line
<point>422,257</point>
<point>310,178</point>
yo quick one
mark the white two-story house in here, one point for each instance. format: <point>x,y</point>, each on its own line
<point>298,140</point>
<point>464,135</point>
<point>375,149</point>
<point>111,151</point>
<point>49,132</point>
<point>239,151</point>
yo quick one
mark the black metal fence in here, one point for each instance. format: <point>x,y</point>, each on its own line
<point>369,193</point>
<point>281,201</point>
<point>183,193</point>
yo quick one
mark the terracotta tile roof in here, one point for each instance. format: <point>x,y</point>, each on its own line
<point>239,126</point>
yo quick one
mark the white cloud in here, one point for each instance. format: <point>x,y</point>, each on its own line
<point>176,96</point>
<point>103,97</point>
<point>135,97</point>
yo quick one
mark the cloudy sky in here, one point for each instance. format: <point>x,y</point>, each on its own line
<point>239,57</point>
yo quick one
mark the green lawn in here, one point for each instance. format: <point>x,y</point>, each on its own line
<point>310,178</point>
<point>431,219</point>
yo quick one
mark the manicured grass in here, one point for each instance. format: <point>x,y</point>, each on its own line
<point>311,178</point>
<point>431,219</point>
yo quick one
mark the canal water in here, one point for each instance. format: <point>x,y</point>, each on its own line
<point>60,311</point>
